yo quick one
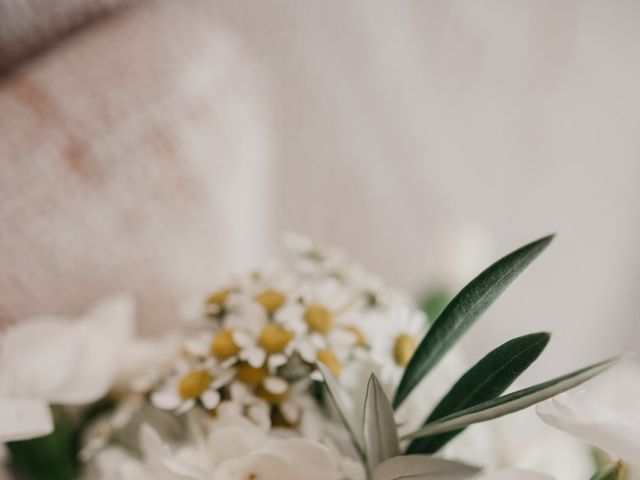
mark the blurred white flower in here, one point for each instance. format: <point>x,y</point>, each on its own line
<point>55,360</point>
<point>521,440</point>
<point>512,474</point>
<point>604,414</point>
<point>233,450</point>
<point>289,459</point>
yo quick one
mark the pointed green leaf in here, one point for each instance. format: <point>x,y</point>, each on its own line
<point>488,379</point>
<point>379,430</point>
<point>513,402</point>
<point>339,397</point>
<point>463,311</point>
<point>413,467</point>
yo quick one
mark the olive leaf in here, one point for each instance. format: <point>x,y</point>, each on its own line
<point>513,402</point>
<point>465,308</point>
<point>487,379</point>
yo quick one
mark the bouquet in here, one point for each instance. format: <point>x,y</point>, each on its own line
<point>313,370</point>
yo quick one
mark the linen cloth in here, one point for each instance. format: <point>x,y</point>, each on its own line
<point>133,158</point>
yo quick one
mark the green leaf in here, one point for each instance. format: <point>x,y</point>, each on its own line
<point>348,417</point>
<point>513,402</point>
<point>379,429</point>
<point>488,379</point>
<point>463,311</point>
<point>426,467</point>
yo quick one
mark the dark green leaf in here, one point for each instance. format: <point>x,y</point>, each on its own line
<point>463,311</point>
<point>513,402</point>
<point>488,379</point>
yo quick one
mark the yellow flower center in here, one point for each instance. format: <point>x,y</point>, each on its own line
<point>403,349</point>
<point>319,318</point>
<point>219,297</point>
<point>223,346</point>
<point>361,340</point>
<point>250,375</point>
<point>274,338</point>
<point>327,357</point>
<point>272,398</point>
<point>271,300</point>
<point>194,384</point>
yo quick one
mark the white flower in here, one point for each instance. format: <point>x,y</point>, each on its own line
<point>190,383</point>
<point>54,360</point>
<point>605,414</point>
<point>313,260</point>
<point>393,334</point>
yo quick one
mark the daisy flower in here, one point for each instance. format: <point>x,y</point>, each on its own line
<point>192,383</point>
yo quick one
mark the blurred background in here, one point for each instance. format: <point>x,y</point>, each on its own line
<point>155,147</point>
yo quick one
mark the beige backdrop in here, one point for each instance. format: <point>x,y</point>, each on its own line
<point>388,128</point>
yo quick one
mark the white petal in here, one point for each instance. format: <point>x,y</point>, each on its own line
<point>242,340</point>
<point>276,360</point>
<point>579,414</point>
<point>186,406</point>
<point>309,460</point>
<point>306,350</point>
<point>115,316</point>
<point>153,448</point>
<point>94,372</point>
<point>290,411</point>
<point>197,346</point>
<point>317,340</point>
<point>24,418</point>
<point>222,378</point>
<point>275,385</point>
<point>234,441</point>
<point>261,466</point>
<point>37,356</point>
<point>259,413</point>
<point>210,399</point>
<point>254,356</point>
<point>184,469</point>
<point>166,399</point>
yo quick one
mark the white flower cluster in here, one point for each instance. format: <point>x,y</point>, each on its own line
<point>262,334</point>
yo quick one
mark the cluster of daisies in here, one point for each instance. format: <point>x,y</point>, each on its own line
<point>260,336</point>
